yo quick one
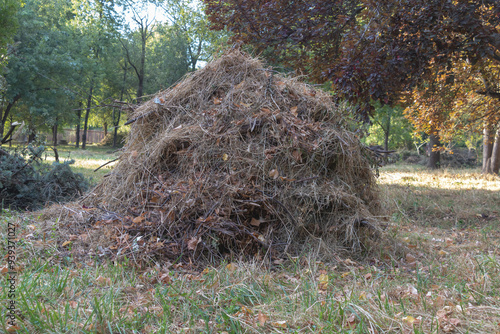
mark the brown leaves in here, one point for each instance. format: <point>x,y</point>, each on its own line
<point>262,318</point>
<point>103,280</point>
<point>255,222</point>
<point>274,174</point>
<point>323,282</point>
<point>193,243</point>
<point>446,322</point>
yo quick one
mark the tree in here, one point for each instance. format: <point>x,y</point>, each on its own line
<point>97,21</point>
<point>187,18</point>
<point>390,128</point>
<point>38,69</point>
<point>8,25</point>
<point>143,32</point>
<point>369,50</point>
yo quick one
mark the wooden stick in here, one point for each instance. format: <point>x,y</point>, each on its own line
<point>107,163</point>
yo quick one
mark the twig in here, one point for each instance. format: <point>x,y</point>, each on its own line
<point>107,163</point>
<point>307,179</point>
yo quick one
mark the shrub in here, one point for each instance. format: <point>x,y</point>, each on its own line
<point>26,183</point>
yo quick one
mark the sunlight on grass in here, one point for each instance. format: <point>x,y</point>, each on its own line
<point>442,179</point>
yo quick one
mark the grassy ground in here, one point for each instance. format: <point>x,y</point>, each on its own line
<point>436,270</point>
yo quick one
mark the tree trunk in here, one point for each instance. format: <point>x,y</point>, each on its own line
<point>105,125</point>
<point>77,132</point>
<point>6,112</point>
<point>487,148</point>
<point>495,153</point>
<point>387,132</point>
<point>434,154</point>
<point>116,118</point>
<point>87,114</point>
<point>54,134</point>
<point>32,135</point>
<point>140,87</point>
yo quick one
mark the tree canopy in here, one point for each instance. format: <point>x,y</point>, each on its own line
<point>369,50</point>
<point>70,59</point>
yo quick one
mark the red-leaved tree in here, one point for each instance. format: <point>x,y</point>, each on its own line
<point>370,49</point>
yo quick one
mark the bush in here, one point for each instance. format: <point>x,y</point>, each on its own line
<point>26,183</point>
<point>120,138</point>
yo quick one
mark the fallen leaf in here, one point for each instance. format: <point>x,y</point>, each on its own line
<point>297,155</point>
<point>231,267</point>
<point>351,321</point>
<point>439,301</point>
<point>138,219</point>
<point>66,243</point>
<point>165,279</point>
<point>409,319</point>
<point>193,242</point>
<point>293,110</point>
<point>410,258</point>
<point>280,324</point>
<point>12,329</point>
<point>362,295</point>
<point>274,174</point>
<point>444,312</point>
<point>345,274</point>
<point>368,276</point>
<point>73,304</point>
<point>103,280</point>
<point>349,262</point>
<point>217,101</point>
<point>238,86</point>
<point>4,269</point>
<point>323,282</point>
<point>262,318</point>
<point>225,157</point>
<point>255,222</point>
<point>412,290</point>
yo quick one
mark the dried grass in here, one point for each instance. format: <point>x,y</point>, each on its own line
<point>237,159</point>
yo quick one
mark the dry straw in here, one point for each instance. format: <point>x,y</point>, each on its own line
<point>238,159</point>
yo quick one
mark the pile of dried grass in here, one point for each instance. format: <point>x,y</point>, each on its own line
<point>236,158</point>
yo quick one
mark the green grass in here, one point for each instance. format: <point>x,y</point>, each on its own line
<point>435,270</point>
<point>86,161</point>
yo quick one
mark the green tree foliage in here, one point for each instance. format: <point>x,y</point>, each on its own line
<point>39,69</point>
<point>8,25</point>
<point>67,63</point>
<point>189,19</point>
<point>389,128</point>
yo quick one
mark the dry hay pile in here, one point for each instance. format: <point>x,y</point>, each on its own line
<point>236,159</point>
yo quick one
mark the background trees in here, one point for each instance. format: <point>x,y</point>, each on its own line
<point>437,60</point>
<point>70,59</point>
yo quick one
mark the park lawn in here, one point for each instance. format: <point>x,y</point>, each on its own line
<point>436,269</point>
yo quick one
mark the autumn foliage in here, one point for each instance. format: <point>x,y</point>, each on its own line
<point>369,50</point>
